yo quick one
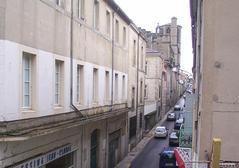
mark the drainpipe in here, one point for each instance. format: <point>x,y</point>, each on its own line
<point>112,88</point>
<point>137,90</point>
<point>71,64</point>
<point>112,62</point>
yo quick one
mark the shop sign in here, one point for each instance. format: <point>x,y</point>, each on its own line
<point>46,158</point>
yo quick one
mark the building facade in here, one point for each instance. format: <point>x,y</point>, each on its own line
<point>155,88</point>
<point>64,68</point>
<point>215,48</point>
<point>136,82</point>
<point>166,40</point>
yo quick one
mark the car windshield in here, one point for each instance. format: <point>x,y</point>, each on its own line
<point>160,129</point>
<point>168,157</point>
<point>174,135</point>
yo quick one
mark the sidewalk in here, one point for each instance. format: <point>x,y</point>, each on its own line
<point>126,162</point>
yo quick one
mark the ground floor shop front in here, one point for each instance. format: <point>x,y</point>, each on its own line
<point>98,144</point>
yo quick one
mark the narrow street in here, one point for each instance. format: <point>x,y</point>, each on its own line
<point>149,157</point>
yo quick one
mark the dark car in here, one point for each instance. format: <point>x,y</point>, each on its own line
<point>178,125</point>
<point>177,108</point>
<point>171,116</point>
<point>174,138</point>
<point>167,159</point>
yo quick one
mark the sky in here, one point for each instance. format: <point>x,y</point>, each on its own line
<point>148,13</point>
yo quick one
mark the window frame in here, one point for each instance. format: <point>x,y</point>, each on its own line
<point>79,83</point>
<point>116,87</point>
<point>124,36</point>
<point>81,9</point>
<point>123,87</point>
<point>134,53</point>
<point>108,22</point>
<point>24,56</point>
<point>107,85</point>
<point>96,15</point>
<point>117,31</point>
<point>95,94</point>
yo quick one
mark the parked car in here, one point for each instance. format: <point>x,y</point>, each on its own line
<point>161,132</point>
<point>167,158</point>
<point>180,116</point>
<point>189,91</point>
<point>174,138</point>
<point>171,116</point>
<point>177,126</point>
<point>177,107</point>
<point>178,123</point>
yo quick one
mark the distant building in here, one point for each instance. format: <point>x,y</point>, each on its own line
<point>166,40</point>
<point>215,46</point>
<point>155,88</point>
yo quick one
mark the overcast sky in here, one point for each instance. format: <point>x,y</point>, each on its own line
<point>147,13</point>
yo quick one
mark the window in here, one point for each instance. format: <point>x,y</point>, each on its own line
<point>134,53</point>
<point>124,36</point>
<point>142,57</point>
<point>161,31</point>
<point>145,91</point>
<point>116,87</point>
<point>95,84</point>
<point>27,71</point>
<point>168,30</point>
<point>108,22</point>
<point>117,31</point>
<point>96,14</point>
<point>159,96</point>
<point>133,99</point>
<point>140,120</point>
<point>123,87</point>
<point>58,81</point>
<point>141,91</point>
<point>60,3</point>
<point>81,8</point>
<point>146,67</point>
<point>64,161</point>
<point>107,85</point>
<point>79,84</point>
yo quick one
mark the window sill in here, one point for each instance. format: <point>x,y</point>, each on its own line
<point>56,107</point>
<point>28,111</point>
<point>80,106</point>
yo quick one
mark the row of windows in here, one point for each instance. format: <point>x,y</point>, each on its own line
<point>141,55</point>
<point>96,20</point>
<point>28,69</point>
<point>80,10</point>
<point>108,26</point>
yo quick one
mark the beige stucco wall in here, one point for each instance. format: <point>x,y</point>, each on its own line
<point>153,77</point>
<point>132,69</point>
<point>219,92</point>
<point>46,26</point>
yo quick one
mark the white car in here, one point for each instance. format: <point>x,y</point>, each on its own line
<point>179,121</point>
<point>161,132</point>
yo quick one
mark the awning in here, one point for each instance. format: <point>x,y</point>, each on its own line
<point>183,157</point>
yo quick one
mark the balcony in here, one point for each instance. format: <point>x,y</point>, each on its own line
<point>27,128</point>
